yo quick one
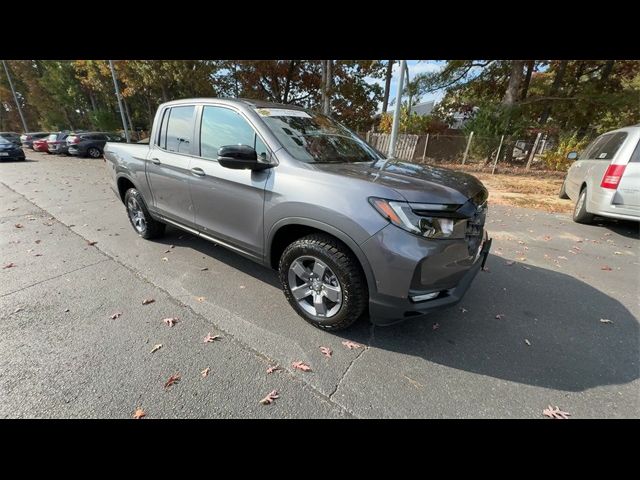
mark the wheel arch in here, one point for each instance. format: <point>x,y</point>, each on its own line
<point>288,230</point>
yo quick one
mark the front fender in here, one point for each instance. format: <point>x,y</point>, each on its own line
<point>339,234</point>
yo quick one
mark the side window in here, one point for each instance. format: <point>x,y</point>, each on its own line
<point>609,149</point>
<point>222,126</point>
<point>593,146</point>
<point>179,129</point>
<point>261,149</point>
<point>162,136</point>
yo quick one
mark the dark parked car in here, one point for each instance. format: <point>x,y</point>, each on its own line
<point>27,138</point>
<point>11,136</point>
<point>57,143</point>
<point>90,144</point>
<point>10,151</point>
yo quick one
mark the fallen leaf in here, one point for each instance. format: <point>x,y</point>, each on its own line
<point>523,259</point>
<point>37,254</point>
<point>173,379</point>
<point>510,262</point>
<point>435,326</point>
<point>147,301</point>
<point>205,372</point>
<point>19,309</point>
<point>172,246</point>
<point>268,400</point>
<point>204,268</point>
<point>273,368</point>
<point>165,259</point>
<point>500,316</point>
<point>527,342</point>
<point>116,315</point>
<point>606,268</point>
<point>520,242</point>
<point>485,269</point>
<point>617,253</point>
<point>200,299</point>
<point>326,351</point>
<point>66,310</point>
<point>170,321</point>
<point>351,345</point>
<point>555,413</point>
<point>139,413</point>
<point>562,257</point>
<point>91,244</point>
<point>301,366</point>
<point>605,320</point>
<point>546,238</point>
<point>9,265</point>
<point>210,338</point>
<point>156,348</point>
<point>19,225</point>
<point>607,234</point>
<point>463,310</point>
<point>167,251</point>
<point>38,241</point>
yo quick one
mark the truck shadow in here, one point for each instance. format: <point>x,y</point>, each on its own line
<point>570,348</point>
<point>625,228</point>
<point>559,315</point>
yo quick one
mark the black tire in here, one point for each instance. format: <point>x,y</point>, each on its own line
<point>94,152</point>
<point>580,214</point>
<point>151,228</point>
<point>339,259</point>
<point>563,193</point>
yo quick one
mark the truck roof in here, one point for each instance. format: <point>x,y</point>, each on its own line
<point>236,101</point>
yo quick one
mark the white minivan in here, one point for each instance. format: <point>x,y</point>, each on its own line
<point>604,180</point>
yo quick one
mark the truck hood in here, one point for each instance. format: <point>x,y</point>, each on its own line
<point>416,183</point>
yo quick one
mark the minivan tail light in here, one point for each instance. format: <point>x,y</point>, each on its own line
<point>612,176</point>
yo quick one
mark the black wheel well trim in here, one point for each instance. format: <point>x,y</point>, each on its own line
<point>120,178</point>
<point>323,228</point>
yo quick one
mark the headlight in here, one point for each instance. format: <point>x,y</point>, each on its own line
<point>431,226</point>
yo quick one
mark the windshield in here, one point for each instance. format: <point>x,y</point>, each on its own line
<point>4,141</point>
<point>315,138</point>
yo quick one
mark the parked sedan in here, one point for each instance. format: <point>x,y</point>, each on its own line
<point>90,144</point>
<point>10,151</point>
<point>605,178</point>
<point>40,145</point>
<point>27,138</point>
<point>57,143</point>
<point>11,136</point>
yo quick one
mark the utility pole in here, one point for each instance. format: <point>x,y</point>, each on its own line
<point>396,113</point>
<point>326,108</point>
<point>15,97</point>
<point>115,84</point>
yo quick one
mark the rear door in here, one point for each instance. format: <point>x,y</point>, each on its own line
<point>228,203</point>
<point>168,164</point>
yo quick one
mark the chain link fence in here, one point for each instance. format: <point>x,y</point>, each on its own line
<point>470,149</point>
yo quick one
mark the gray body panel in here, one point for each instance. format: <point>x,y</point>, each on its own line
<point>244,209</point>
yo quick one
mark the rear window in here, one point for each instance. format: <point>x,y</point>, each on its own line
<point>635,156</point>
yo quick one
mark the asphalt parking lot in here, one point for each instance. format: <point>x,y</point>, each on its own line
<point>529,333</point>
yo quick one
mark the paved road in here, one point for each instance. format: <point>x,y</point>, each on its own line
<point>545,282</point>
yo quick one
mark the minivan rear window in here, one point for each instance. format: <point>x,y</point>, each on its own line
<point>607,150</point>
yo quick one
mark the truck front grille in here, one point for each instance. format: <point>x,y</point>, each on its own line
<point>475,229</point>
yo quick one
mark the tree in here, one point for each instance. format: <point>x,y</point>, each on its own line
<point>387,85</point>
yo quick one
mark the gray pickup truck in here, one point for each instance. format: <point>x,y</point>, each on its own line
<point>350,231</point>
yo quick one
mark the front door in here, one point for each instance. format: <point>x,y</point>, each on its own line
<point>228,203</point>
<point>168,164</point>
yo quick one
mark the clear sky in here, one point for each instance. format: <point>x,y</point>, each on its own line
<point>415,67</point>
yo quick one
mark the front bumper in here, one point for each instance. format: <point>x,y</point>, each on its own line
<point>437,266</point>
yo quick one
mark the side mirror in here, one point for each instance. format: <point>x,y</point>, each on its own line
<point>240,157</point>
<point>572,156</point>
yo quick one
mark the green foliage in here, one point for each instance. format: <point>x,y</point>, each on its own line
<point>489,123</point>
<point>556,159</point>
<point>413,124</point>
<point>105,120</point>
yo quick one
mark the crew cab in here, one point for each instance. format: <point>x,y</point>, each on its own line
<point>350,232</point>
